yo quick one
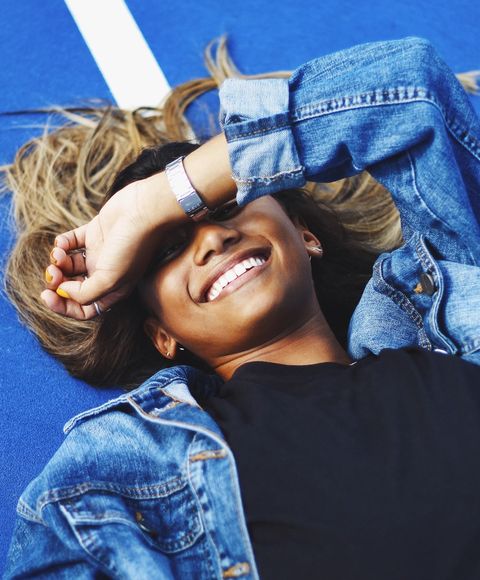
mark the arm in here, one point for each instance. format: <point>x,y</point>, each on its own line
<point>393,108</point>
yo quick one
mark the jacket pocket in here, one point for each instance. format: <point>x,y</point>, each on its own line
<point>115,526</point>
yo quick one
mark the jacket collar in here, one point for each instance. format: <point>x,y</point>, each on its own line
<point>179,384</point>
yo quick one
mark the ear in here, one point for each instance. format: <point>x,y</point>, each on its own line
<point>163,342</point>
<point>312,244</point>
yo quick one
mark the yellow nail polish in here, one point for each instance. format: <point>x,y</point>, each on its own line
<point>48,277</point>
<point>52,257</point>
<point>61,292</point>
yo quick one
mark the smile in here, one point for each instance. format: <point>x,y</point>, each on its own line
<point>237,271</point>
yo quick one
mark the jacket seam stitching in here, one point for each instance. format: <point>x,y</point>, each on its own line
<point>55,496</point>
<point>86,540</point>
<point>26,512</point>
<point>401,300</point>
<point>429,265</point>
<point>389,96</point>
<point>269,178</point>
<point>201,511</point>
<point>122,399</point>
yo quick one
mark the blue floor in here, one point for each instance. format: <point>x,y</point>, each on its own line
<point>45,62</point>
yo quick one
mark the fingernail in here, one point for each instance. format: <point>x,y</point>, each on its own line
<point>48,276</point>
<point>61,292</point>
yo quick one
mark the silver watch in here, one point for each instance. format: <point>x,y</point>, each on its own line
<point>188,198</point>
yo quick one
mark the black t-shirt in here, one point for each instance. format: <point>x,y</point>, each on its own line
<point>369,471</point>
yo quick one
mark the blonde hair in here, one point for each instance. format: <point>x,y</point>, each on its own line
<point>59,181</point>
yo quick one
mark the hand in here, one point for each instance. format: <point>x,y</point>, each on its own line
<point>114,248</point>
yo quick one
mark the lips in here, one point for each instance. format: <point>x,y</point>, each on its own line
<point>233,269</point>
<point>232,274</point>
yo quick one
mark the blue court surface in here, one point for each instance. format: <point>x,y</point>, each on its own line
<point>47,61</point>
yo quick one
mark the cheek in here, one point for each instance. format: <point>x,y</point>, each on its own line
<point>288,247</point>
<point>189,323</point>
<point>171,300</point>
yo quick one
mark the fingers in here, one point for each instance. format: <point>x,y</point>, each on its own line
<point>59,303</point>
<point>70,264</point>
<point>78,295</point>
<point>67,307</point>
<point>53,277</point>
<point>72,240</point>
<point>87,290</point>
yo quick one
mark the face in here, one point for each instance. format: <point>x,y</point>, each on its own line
<point>232,283</point>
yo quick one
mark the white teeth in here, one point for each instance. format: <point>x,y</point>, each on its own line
<point>223,280</point>
<point>212,295</point>
<point>232,274</point>
<point>239,269</point>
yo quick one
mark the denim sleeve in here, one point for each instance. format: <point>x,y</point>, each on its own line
<point>37,552</point>
<point>392,108</point>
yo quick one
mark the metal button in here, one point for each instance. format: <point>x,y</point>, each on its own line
<point>140,522</point>
<point>428,284</point>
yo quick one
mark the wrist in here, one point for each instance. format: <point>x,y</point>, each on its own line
<point>159,203</point>
<point>209,171</point>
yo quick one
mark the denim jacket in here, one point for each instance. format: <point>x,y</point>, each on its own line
<point>145,486</point>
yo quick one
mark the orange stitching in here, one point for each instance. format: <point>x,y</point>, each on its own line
<point>210,454</point>
<point>237,570</point>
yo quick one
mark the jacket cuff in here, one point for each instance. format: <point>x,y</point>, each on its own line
<point>254,115</point>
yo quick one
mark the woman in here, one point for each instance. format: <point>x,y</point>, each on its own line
<point>147,485</point>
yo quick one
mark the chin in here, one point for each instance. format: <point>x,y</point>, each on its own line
<point>262,318</point>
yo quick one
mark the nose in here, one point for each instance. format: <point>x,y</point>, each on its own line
<point>211,239</point>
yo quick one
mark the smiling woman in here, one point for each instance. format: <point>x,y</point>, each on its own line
<point>61,180</point>
<point>257,248</point>
<point>310,430</point>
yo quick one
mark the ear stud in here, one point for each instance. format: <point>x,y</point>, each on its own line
<point>318,250</point>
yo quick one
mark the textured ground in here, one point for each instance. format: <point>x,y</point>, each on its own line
<point>46,61</point>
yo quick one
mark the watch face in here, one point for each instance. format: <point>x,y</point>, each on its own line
<point>192,204</point>
<point>200,214</point>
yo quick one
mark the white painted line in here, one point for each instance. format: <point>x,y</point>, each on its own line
<point>120,51</point>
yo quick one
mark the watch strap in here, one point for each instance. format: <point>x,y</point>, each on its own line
<point>186,195</point>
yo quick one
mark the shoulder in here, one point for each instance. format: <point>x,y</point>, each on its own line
<point>180,382</point>
<point>116,448</point>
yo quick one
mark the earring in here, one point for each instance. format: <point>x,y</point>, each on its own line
<point>318,249</point>
<point>167,354</point>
